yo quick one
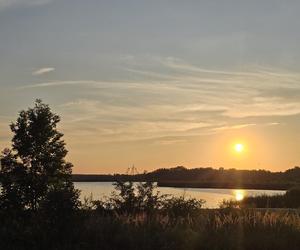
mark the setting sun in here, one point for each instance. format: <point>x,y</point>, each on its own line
<point>239,147</point>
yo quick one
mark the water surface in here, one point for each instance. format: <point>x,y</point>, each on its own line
<point>213,197</point>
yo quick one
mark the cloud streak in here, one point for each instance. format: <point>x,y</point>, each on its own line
<point>42,71</point>
<point>169,97</point>
<point>11,3</point>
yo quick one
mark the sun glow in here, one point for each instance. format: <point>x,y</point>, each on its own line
<point>239,147</point>
<point>239,195</point>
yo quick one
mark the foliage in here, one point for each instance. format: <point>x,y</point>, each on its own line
<point>133,198</point>
<point>35,172</point>
<point>125,200</point>
<point>182,207</point>
<point>149,201</point>
<point>60,202</point>
<point>13,181</point>
<point>130,197</point>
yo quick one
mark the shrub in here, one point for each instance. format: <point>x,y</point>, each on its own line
<point>181,206</point>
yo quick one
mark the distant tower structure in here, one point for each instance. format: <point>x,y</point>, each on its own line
<point>132,170</point>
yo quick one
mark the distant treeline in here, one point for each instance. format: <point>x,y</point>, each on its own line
<point>207,178</point>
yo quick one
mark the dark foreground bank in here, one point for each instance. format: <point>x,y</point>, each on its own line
<point>207,229</point>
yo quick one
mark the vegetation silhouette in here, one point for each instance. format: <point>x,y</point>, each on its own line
<point>37,193</point>
<point>208,178</point>
<point>141,198</point>
<point>34,174</point>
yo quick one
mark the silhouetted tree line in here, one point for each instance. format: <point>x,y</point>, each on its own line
<point>228,178</point>
<point>208,177</point>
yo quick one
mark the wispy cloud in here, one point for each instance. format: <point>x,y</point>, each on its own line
<point>169,97</point>
<point>239,126</point>
<point>96,84</point>
<point>58,83</point>
<point>42,71</point>
<point>10,3</point>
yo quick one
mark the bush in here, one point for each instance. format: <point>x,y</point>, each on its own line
<point>60,203</point>
<point>132,198</point>
<point>181,206</point>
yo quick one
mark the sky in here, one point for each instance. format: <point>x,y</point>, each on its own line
<point>158,83</point>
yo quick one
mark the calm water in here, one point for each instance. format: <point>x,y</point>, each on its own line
<point>213,197</point>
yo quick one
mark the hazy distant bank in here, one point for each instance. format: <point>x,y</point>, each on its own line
<point>206,178</point>
<point>224,185</point>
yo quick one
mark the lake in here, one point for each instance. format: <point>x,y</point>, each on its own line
<point>213,197</point>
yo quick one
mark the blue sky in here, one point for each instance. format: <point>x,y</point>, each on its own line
<point>157,83</point>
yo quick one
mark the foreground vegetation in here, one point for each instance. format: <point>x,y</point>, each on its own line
<point>40,208</point>
<point>141,221</point>
<point>137,217</point>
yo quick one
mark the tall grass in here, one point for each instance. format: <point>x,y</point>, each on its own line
<point>208,229</point>
<point>205,229</point>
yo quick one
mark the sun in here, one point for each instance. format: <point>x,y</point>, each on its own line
<point>239,148</point>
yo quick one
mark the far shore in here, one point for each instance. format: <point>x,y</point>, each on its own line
<point>183,184</point>
<point>256,186</point>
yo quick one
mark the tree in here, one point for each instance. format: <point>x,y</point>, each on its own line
<point>38,155</point>
<point>13,181</point>
<point>125,200</point>
<point>148,200</point>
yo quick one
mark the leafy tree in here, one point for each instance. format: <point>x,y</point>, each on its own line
<point>35,171</point>
<point>148,200</point>
<point>124,200</point>
<point>13,181</point>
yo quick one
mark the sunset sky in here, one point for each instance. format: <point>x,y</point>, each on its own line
<point>158,83</point>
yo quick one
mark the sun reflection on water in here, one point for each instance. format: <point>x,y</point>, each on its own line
<point>239,195</point>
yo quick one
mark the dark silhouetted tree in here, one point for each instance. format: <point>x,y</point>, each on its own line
<point>132,197</point>
<point>35,174</point>
<point>13,181</point>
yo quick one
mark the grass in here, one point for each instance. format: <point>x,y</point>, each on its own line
<point>207,229</point>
